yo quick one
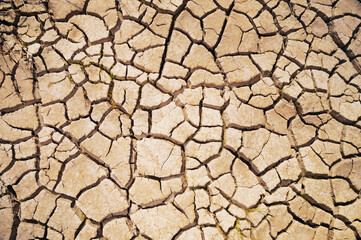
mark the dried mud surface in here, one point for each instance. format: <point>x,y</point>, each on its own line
<point>171,119</point>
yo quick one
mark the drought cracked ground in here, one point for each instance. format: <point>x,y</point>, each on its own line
<point>170,119</point>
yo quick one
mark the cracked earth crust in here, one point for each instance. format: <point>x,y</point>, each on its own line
<point>175,119</point>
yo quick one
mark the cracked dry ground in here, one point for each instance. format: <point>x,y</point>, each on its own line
<point>170,119</point>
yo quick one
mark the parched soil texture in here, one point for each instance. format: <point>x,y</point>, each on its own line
<point>180,119</point>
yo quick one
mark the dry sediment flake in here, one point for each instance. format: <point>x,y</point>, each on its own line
<point>174,119</point>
